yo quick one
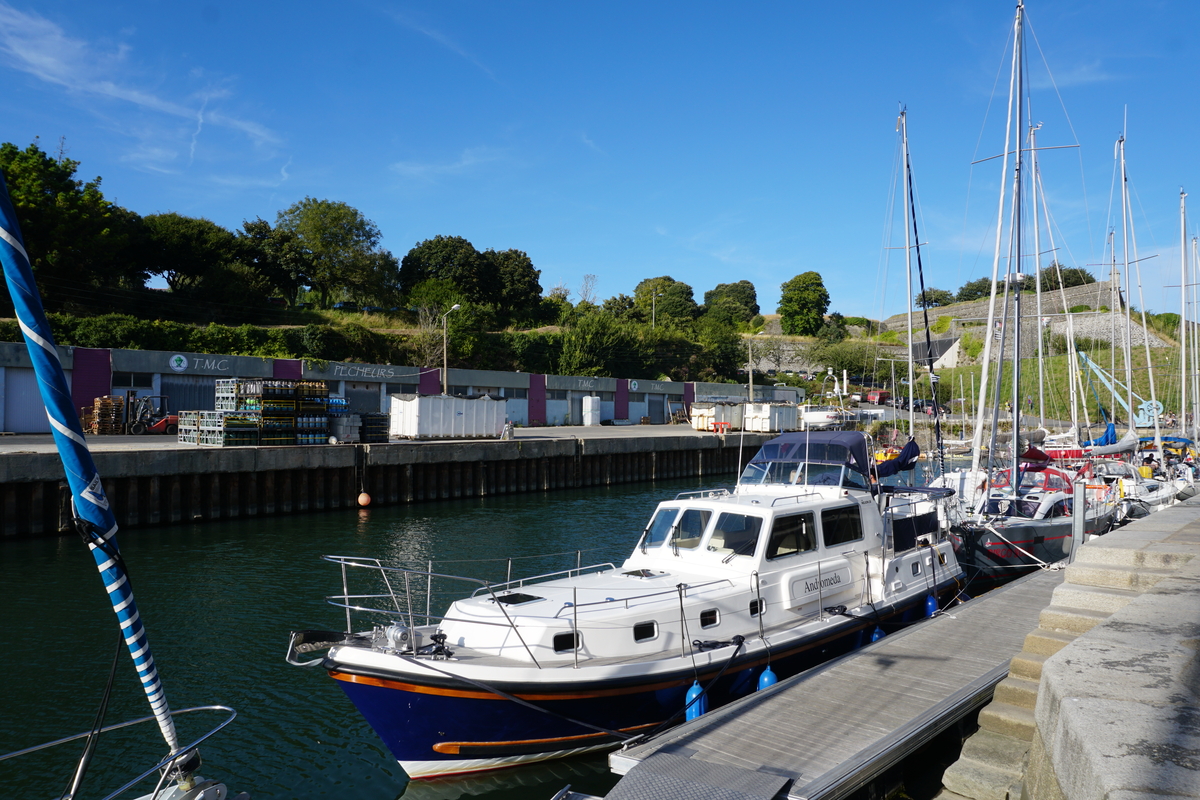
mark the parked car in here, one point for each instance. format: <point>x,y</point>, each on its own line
<point>879,397</point>
<point>372,309</point>
<point>345,305</point>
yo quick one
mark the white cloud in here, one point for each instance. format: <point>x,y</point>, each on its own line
<point>471,158</point>
<point>41,49</point>
<point>443,40</point>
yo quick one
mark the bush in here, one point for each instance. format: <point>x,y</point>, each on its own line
<point>1078,309</point>
<point>970,346</point>
<point>942,325</point>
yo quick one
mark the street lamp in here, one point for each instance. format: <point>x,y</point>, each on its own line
<point>446,351</point>
<point>750,363</point>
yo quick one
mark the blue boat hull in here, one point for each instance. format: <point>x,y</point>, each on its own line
<point>444,726</point>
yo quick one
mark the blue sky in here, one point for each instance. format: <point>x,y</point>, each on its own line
<point>709,142</point>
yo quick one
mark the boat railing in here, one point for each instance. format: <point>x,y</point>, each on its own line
<point>703,494</point>
<point>674,590</point>
<point>562,573</point>
<point>165,766</point>
<point>794,498</point>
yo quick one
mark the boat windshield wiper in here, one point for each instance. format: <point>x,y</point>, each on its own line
<point>744,549</point>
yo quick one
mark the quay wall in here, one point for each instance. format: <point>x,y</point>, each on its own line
<point>167,486</point>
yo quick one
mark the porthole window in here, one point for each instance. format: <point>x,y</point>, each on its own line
<point>916,568</point>
<point>645,631</point>
<point>567,642</point>
<point>709,618</point>
<point>757,606</point>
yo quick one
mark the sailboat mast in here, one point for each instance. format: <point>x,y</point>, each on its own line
<point>1195,330</point>
<point>1154,406</point>
<point>977,434</point>
<point>1128,284</point>
<point>1037,276</point>
<point>908,267</point>
<point>1183,282</point>
<point>1017,280</point>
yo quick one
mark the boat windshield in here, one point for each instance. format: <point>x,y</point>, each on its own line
<point>660,526</point>
<point>1007,507</point>
<point>800,473</point>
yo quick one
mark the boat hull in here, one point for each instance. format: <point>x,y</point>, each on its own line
<point>444,726</point>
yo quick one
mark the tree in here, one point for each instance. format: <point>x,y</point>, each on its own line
<point>521,292</point>
<point>599,345</point>
<point>1071,276</point>
<point>932,298</point>
<point>73,236</point>
<point>185,251</point>
<point>455,259</point>
<point>740,299</point>
<point>974,290</point>
<point>834,329</point>
<point>344,249</point>
<point>665,298</point>
<point>277,254</point>
<point>802,304</point>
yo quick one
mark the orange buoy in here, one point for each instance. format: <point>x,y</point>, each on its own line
<point>364,499</point>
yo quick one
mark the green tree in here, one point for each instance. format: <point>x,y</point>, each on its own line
<point>802,304</point>
<point>186,251</point>
<point>933,298</point>
<point>739,299</point>
<point>277,254</point>
<point>974,290</point>
<point>599,345</point>
<point>74,236</point>
<point>622,307</point>
<point>834,329</point>
<point>1071,276</point>
<point>454,259</point>
<point>665,298</point>
<point>343,246</point>
<point>521,292</point>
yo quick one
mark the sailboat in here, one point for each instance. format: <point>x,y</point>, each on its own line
<point>1016,517</point>
<point>176,772</point>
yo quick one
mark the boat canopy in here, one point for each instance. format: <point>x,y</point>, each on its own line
<point>1108,437</point>
<point>818,447</point>
<point>907,459</point>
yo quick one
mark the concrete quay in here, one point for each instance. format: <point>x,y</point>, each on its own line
<point>1104,699</point>
<point>157,481</point>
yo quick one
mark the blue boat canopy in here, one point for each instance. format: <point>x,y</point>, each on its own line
<point>818,447</point>
<point>1108,437</point>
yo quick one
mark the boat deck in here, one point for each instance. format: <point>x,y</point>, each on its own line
<point>833,728</point>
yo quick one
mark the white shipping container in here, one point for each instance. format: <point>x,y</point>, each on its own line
<point>441,417</point>
<point>706,416</point>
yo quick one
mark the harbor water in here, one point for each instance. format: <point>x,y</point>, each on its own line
<point>218,601</point>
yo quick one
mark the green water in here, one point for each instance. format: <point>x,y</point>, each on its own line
<point>219,600</point>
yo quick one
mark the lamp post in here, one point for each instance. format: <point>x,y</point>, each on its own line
<point>446,351</point>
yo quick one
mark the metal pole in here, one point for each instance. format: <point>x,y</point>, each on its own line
<point>446,350</point>
<point>1078,518</point>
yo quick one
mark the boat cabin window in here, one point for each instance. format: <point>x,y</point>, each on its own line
<point>841,525</point>
<point>772,472</point>
<point>690,528</point>
<point>660,526</point>
<point>790,535</point>
<point>757,606</point>
<point>709,618</point>
<point>566,642</point>
<point>735,534</point>
<point>645,631</point>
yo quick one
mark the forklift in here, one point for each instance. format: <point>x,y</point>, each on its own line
<point>150,415</point>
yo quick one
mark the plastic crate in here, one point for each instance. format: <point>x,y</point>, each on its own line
<point>238,438</point>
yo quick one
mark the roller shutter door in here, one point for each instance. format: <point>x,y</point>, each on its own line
<point>189,392</point>
<point>24,411</point>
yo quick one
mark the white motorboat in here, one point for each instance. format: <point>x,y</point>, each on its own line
<point>806,559</point>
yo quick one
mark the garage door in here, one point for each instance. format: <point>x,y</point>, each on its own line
<point>23,408</point>
<point>190,392</point>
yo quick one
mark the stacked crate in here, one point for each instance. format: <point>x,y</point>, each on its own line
<point>312,412</point>
<point>228,428</point>
<point>276,401</point>
<point>189,427</point>
<point>107,416</point>
<point>374,429</point>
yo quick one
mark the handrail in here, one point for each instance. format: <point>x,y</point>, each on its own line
<point>794,498</point>
<point>520,582</point>
<point>169,759</point>
<point>672,590</point>
<point>700,494</point>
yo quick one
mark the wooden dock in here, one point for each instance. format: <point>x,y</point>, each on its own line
<point>830,731</point>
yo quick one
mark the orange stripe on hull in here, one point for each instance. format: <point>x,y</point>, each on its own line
<point>455,748</point>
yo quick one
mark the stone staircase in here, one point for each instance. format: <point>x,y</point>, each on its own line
<point>1108,574</point>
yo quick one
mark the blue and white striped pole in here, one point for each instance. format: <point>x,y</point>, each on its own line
<point>90,503</point>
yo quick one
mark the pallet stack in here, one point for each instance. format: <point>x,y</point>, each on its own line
<point>189,427</point>
<point>228,428</point>
<point>276,400</point>
<point>107,416</point>
<point>312,412</point>
<point>374,429</point>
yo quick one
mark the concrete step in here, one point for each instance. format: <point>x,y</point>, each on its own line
<point>1136,579</point>
<point>1047,642</point>
<point>1122,552</point>
<point>1071,620</point>
<point>996,749</point>
<point>1094,598</point>
<point>1007,719</point>
<point>1027,665</point>
<point>979,781</point>
<point>1017,691</point>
